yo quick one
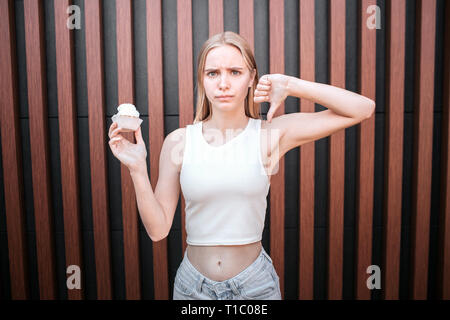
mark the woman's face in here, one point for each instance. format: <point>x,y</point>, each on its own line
<point>226,78</point>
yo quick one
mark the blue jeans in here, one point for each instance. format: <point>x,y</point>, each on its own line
<point>259,281</point>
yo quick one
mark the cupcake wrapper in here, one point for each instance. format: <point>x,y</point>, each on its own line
<point>127,123</point>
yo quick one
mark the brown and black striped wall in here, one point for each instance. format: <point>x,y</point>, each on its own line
<point>374,194</point>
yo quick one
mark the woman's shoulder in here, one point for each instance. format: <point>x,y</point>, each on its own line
<point>177,135</point>
<point>174,144</point>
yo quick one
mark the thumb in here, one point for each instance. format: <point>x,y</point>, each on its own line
<point>272,109</point>
<point>138,135</point>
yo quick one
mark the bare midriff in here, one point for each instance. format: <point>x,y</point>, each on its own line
<point>221,263</point>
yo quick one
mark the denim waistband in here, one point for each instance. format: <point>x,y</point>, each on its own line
<point>233,283</point>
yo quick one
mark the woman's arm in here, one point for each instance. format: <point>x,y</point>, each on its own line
<point>274,88</point>
<point>345,109</point>
<point>151,210</point>
<point>343,102</point>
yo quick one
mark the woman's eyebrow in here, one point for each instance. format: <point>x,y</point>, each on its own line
<point>231,68</point>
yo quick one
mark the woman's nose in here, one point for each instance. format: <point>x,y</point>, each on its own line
<point>223,82</point>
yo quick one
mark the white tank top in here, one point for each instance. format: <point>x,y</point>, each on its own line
<point>224,187</point>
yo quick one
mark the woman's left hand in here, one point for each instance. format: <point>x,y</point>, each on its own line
<point>272,88</point>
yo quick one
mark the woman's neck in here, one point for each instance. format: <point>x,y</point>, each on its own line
<point>223,123</point>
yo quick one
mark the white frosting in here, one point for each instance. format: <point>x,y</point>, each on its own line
<point>127,109</point>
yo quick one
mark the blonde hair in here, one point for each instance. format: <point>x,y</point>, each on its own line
<point>204,111</point>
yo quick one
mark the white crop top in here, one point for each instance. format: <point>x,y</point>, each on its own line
<point>224,187</point>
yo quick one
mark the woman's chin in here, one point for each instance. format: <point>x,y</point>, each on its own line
<point>225,104</point>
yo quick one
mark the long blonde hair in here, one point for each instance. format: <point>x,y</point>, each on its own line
<point>204,111</point>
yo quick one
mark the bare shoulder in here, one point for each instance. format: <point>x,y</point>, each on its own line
<point>177,134</point>
<point>173,147</point>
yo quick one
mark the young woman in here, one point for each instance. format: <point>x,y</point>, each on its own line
<point>223,163</point>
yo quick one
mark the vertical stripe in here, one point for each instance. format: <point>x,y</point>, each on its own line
<point>306,205</point>
<point>444,225</point>
<point>394,147</point>
<point>246,21</point>
<point>156,136</point>
<point>40,158</point>
<point>125,87</point>
<point>215,16</point>
<point>12,154</point>
<point>423,142</point>
<point>337,155</point>
<point>366,156</point>
<point>68,141</point>
<point>276,36</point>
<point>185,78</point>
<point>97,147</point>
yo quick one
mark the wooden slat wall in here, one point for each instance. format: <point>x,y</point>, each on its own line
<point>307,155</point>
<point>36,81</point>
<point>444,222</point>
<point>246,22</point>
<point>185,79</point>
<point>12,154</point>
<point>215,8</point>
<point>37,106</point>
<point>125,86</point>
<point>423,144</point>
<point>395,86</point>
<point>366,150</point>
<point>68,141</point>
<point>337,155</point>
<point>156,125</point>
<point>97,147</point>
<point>276,65</point>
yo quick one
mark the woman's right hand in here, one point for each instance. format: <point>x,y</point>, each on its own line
<point>131,155</point>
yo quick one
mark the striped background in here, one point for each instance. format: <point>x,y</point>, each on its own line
<point>373,194</point>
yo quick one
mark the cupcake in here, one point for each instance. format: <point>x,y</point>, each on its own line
<point>127,117</point>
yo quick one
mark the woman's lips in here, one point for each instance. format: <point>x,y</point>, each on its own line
<point>224,98</point>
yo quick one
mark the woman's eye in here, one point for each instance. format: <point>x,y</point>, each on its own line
<point>211,74</point>
<point>236,72</point>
